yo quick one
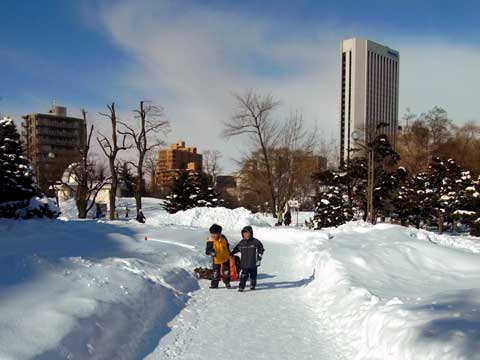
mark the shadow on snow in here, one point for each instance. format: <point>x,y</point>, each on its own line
<point>272,285</point>
<point>457,320</point>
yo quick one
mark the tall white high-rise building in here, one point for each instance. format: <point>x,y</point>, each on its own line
<point>369,92</point>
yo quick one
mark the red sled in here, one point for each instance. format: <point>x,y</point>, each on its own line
<point>234,271</point>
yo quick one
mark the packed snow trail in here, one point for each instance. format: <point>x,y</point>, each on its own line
<point>271,322</point>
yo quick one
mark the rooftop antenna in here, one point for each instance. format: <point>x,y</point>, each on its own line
<point>52,108</point>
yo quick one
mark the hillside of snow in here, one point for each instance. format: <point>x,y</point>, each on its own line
<point>96,289</point>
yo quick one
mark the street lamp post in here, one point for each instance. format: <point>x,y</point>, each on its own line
<point>370,174</point>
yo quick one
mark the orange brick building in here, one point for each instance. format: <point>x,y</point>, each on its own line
<point>169,161</point>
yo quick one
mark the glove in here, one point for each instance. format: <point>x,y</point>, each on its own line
<point>259,260</point>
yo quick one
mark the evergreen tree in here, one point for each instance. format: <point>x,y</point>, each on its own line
<point>185,193</point>
<point>467,208</point>
<point>127,179</point>
<point>208,197</point>
<point>354,183</point>
<point>332,205</point>
<point>473,207</point>
<point>413,203</point>
<point>16,176</point>
<point>19,192</point>
<point>386,175</point>
<point>444,196</point>
<point>447,190</point>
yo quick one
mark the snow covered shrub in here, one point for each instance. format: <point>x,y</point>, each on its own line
<point>27,209</point>
<point>475,228</point>
<point>413,203</point>
<point>190,190</point>
<point>344,191</point>
<point>445,196</point>
<point>331,209</point>
<point>20,196</point>
<point>332,204</point>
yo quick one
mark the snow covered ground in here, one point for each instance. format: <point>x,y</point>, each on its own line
<point>81,289</point>
<point>393,293</point>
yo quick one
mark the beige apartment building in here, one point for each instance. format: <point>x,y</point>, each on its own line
<point>171,160</point>
<point>51,142</point>
<point>369,92</point>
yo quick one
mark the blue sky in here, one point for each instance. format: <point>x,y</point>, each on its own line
<point>189,56</point>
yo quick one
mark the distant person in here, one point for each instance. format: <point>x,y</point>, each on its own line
<point>251,252</point>
<point>287,217</point>
<point>140,217</point>
<point>98,211</point>
<point>279,218</point>
<point>126,211</point>
<point>219,249</point>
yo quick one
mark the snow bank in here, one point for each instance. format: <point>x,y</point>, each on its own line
<point>88,289</point>
<point>230,220</point>
<point>465,243</point>
<point>388,294</point>
<point>151,207</point>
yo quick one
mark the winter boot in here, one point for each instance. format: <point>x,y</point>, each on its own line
<point>240,290</point>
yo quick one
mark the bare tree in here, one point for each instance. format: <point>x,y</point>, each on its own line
<point>462,146</point>
<point>295,161</point>
<point>83,175</point>
<point>151,123</point>
<point>111,148</point>
<point>329,150</point>
<point>294,157</point>
<point>150,169</point>
<point>253,118</point>
<point>408,118</point>
<point>439,125</point>
<point>211,165</point>
<point>426,136</point>
<point>100,170</point>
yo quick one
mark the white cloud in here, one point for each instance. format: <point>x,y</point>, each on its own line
<point>191,58</point>
<point>440,73</point>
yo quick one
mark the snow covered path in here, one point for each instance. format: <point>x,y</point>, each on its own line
<point>241,325</point>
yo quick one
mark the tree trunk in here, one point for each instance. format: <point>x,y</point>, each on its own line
<point>82,214</point>
<point>440,224</point>
<point>273,208</point>
<point>113,190</point>
<point>81,206</point>
<point>138,188</point>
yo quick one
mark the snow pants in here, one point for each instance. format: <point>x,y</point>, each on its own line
<point>252,273</point>
<point>216,273</point>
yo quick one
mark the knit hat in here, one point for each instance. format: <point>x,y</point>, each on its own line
<point>215,229</point>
